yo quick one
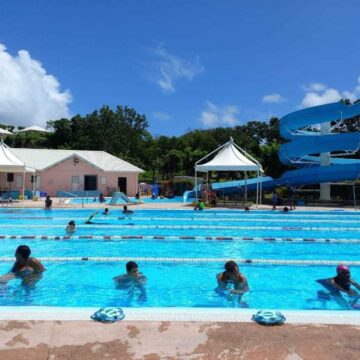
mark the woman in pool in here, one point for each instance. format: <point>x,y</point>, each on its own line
<point>232,281</point>
<point>24,264</point>
<point>341,283</point>
<point>71,227</point>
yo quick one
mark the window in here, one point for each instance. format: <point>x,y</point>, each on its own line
<point>103,180</point>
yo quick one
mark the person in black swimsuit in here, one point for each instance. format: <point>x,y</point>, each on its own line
<point>48,203</point>
<point>341,283</point>
<point>24,265</point>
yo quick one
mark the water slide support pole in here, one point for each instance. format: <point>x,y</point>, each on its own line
<point>257,189</point>
<point>195,184</point>
<point>245,186</point>
<point>325,160</point>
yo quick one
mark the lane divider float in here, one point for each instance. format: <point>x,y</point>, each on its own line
<point>191,260</point>
<point>176,238</point>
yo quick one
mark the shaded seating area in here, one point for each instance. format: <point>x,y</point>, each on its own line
<point>228,157</point>
<point>10,164</point>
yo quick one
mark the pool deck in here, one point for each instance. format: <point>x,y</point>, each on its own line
<point>59,203</point>
<point>177,334</point>
<point>155,340</point>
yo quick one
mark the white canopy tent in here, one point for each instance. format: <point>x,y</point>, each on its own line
<point>34,128</point>
<point>10,163</point>
<point>5,132</point>
<point>231,157</point>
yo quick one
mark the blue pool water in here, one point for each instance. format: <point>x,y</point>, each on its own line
<point>89,200</point>
<point>185,234</point>
<point>86,200</point>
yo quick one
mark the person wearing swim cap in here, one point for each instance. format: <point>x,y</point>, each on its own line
<point>24,264</point>
<point>341,283</point>
<point>232,277</point>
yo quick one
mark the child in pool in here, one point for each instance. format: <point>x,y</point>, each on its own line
<point>231,282</point>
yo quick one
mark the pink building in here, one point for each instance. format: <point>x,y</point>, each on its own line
<point>73,171</point>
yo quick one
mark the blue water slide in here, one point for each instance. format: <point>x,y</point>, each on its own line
<point>303,148</point>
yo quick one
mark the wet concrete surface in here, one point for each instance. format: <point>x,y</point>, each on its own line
<point>38,340</point>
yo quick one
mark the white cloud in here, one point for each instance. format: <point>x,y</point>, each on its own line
<point>168,69</point>
<point>161,115</point>
<point>273,99</point>
<point>319,94</point>
<point>28,95</point>
<point>315,87</point>
<point>215,115</point>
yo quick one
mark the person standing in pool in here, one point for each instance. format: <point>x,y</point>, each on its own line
<point>200,206</point>
<point>132,280</point>
<point>24,264</point>
<point>126,210</point>
<point>232,280</point>
<point>341,283</point>
<point>71,227</point>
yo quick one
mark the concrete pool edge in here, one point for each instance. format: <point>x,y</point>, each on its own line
<point>45,313</point>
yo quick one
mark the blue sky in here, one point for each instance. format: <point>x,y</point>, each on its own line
<point>184,64</point>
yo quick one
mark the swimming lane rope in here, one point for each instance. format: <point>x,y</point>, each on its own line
<point>191,260</point>
<point>177,238</point>
<point>189,227</point>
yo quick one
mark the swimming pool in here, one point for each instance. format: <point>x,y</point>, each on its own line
<point>180,252</point>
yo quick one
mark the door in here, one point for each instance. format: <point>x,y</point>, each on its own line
<point>122,184</point>
<point>90,182</point>
<point>75,182</point>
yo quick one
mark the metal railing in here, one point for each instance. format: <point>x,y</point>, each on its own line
<point>75,196</point>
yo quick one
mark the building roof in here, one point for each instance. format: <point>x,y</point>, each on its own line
<point>43,159</point>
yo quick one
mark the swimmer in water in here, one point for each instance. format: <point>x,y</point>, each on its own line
<point>71,227</point>
<point>24,265</point>
<point>232,281</point>
<point>133,279</point>
<point>88,221</point>
<point>126,211</point>
<point>341,283</point>
<point>106,212</point>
